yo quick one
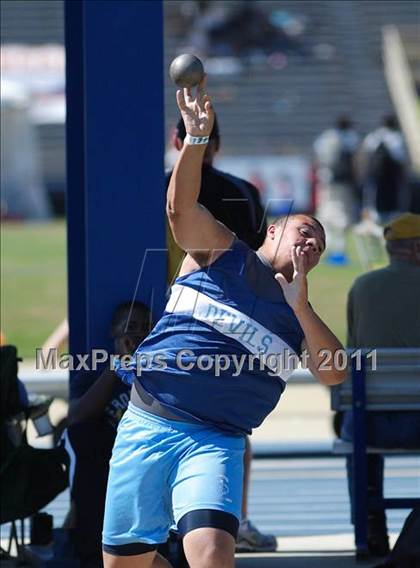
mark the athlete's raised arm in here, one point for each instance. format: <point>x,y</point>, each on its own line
<point>194,228</point>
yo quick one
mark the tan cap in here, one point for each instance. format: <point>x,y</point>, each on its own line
<point>406,226</point>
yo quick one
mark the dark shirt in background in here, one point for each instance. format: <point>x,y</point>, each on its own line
<point>383,307</point>
<point>235,203</point>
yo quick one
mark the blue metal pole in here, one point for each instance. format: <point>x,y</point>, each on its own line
<point>360,477</point>
<point>115,159</point>
<point>75,199</point>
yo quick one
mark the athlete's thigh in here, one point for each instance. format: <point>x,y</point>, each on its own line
<point>137,509</point>
<point>208,482</point>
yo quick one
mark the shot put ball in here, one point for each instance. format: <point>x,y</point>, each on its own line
<point>186,70</point>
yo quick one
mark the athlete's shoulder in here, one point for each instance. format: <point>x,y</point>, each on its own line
<point>236,254</point>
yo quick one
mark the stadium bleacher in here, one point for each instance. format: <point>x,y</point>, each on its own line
<point>281,111</point>
<point>33,22</point>
<point>262,109</point>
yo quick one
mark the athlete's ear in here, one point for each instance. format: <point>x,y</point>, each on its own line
<point>271,232</point>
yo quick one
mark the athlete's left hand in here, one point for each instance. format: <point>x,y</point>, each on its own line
<point>296,291</point>
<point>197,112</point>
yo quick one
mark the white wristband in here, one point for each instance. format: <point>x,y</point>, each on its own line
<point>196,139</point>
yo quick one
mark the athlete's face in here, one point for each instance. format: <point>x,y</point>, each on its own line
<point>300,231</point>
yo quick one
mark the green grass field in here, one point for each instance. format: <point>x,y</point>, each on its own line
<point>33,283</point>
<point>34,295</point>
<point>328,288</point>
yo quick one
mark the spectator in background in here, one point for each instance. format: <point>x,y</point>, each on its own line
<point>209,18</point>
<point>383,310</point>
<point>232,200</point>
<point>334,156</point>
<point>236,203</point>
<point>385,157</point>
<point>240,29</point>
<point>98,399</point>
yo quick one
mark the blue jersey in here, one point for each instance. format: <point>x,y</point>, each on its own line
<point>225,345</point>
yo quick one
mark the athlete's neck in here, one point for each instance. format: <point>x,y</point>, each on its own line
<point>270,256</point>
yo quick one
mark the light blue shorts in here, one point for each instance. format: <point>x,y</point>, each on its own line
<point>165,473</point>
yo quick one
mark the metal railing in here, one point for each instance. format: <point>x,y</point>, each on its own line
<point>56,382</point>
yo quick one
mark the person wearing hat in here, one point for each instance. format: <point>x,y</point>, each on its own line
<point>383,311</point>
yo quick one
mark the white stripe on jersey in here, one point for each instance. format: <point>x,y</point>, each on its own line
<point>232,323</point>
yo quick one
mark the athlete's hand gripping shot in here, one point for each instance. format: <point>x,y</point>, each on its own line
<point>214,366</point>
